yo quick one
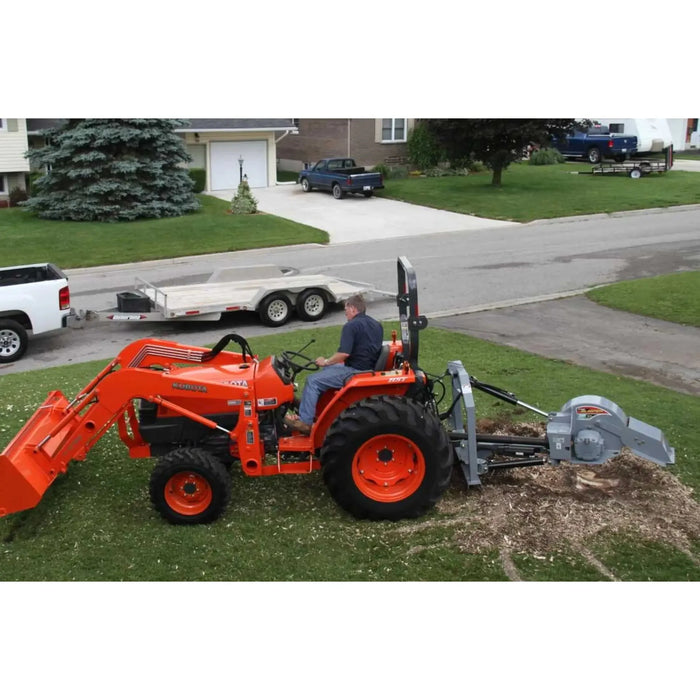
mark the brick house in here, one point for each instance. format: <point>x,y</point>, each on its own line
<point>368,141</point>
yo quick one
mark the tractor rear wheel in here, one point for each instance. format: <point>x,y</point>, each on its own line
<point>386,457</point>
<point>190,486</point>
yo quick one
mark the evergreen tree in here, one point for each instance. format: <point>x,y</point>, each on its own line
<point>243,201</point>
<point>112,170</point>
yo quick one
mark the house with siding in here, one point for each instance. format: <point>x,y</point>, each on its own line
<point>224,148</point>
<point>369,141</point>
<point>14,167</point>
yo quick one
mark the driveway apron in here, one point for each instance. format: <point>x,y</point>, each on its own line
<point>356,218</point>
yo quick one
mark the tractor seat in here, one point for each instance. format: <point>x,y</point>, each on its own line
<point>380,364</point>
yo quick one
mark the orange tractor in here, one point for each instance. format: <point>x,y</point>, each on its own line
<point>384,449</point>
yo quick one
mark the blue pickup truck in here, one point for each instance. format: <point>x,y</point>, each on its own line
<point>339,176</point>
<point>597,143</point>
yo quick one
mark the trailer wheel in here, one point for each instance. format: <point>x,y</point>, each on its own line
<point>386,457</point>
<point>13,340</point>
<point>338,191</point>
<point>190,486</point>
<point>635,173</point>
<point>311,305</point>
<point>305,185</point>
<point>275,310</point>
<point>593,155</point>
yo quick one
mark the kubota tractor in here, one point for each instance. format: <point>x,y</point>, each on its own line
<point>384,449</point>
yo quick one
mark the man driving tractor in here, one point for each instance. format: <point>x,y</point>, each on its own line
<point>359,349</point>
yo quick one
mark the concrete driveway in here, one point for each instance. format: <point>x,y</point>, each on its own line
<point>692,166</point>
<point>356,218</point>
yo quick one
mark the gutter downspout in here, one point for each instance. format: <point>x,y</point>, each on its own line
<point>348,153</point>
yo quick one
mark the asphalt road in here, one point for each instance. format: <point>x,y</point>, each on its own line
<point>458,272</point>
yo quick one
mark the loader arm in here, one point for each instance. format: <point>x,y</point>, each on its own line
<point>61,430</point>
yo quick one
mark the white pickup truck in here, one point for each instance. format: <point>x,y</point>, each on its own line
<point>34,299</point>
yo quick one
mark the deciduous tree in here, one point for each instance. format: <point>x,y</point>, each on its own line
<point>495,142</point>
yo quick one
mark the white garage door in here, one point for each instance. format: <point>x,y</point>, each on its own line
<point>225,169</point>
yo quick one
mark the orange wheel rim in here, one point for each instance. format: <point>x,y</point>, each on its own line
<point>388,468</point>
<point>188,493</point>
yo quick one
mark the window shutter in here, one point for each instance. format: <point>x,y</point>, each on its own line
<point>12,125</point>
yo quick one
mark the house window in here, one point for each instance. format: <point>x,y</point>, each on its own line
<point>393,130</point>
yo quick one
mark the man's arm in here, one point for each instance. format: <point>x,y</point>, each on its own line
<point>337,358</point>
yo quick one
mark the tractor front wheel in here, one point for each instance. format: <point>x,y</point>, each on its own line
<point>386,457</point>
<point>190,486</point>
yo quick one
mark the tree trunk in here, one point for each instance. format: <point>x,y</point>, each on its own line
<point>496,178</point>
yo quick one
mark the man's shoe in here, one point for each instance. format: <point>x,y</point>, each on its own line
<point>297,424</point>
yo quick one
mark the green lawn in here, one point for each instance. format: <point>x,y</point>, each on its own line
<point>674,297</point>
<point>542,192</point>
<point>26,238</point>
<point>687,155</point>
<point>96,523</point>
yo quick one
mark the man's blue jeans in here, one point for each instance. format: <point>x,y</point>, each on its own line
<point>332,377</point>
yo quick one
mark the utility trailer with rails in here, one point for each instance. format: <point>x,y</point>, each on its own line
<point>271,291</point>
<point>637,168</point>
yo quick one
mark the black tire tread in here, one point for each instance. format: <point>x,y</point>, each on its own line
<point>18,328</point>
<point>301,300</point>
<point>197,460</point>
<point>374,416</point>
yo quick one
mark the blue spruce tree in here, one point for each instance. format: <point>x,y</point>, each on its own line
<point>112,170</point>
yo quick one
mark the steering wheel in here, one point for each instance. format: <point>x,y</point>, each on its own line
<point>289,358</point>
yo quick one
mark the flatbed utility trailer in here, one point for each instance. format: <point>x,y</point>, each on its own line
<point>272,291</point>
<point>636,168</point>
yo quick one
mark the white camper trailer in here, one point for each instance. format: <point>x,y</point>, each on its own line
<point>653,135</point>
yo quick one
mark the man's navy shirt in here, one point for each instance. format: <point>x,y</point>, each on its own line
<point>361,338</point>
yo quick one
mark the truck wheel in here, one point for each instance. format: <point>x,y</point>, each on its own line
<point>593,155</point>
<point>337,191</point>
<point>311,305</point>
<point>275,310</point>
<point>189,486</point>
<point>13,340</point>
<point>305,185</point>
<point>386,457</point>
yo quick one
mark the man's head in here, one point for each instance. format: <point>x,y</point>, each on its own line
<point>355,305</point>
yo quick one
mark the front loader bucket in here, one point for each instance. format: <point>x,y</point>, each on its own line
<point>30,463</point>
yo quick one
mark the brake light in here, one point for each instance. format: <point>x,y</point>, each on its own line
<point>348,181</point>
<point>611,143</point>
<point>64,298</point>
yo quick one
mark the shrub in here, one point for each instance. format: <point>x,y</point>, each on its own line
<point>546,156</point>
<point>383,169</point>
<point>244,202</point>
<point>199,177</point>
<point>396,172</point>
<point>17,195</point>
<point>423,148</point>
<point>437,171</point>
<point>33,177</point>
